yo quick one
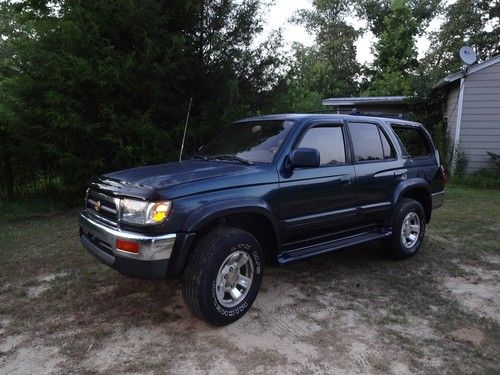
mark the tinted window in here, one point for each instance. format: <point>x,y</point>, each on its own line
<point>366,141</point>
<point>389,152</point>
<point>256,141</point>
<point>413,140</point>
<point>329,141</point>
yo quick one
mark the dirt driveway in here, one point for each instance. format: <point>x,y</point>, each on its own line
<point>351,312</point>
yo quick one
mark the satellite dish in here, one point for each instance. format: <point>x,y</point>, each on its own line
<point>468,55</point>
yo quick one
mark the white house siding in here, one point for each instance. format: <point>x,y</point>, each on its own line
<point>480,128</point>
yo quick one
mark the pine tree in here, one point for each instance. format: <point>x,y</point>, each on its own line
<point>92,86</point>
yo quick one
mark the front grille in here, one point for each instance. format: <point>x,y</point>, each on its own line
<point>102,206</point>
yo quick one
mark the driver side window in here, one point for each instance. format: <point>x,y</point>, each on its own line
<point>329,141</point>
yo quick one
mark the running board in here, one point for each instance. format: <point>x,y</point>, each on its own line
<point>326,247</point>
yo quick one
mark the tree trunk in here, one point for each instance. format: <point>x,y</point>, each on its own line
<point>6,163</point>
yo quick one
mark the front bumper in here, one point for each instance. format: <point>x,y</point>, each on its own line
<point>150,263</point>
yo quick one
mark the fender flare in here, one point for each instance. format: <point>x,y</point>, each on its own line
<point>415,183</point>
<point>203,215</point>
<point>406,185</point>
<point>215,210</point>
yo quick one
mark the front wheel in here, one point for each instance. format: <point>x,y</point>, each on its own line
<point>223,275</point>
<point>408,229</point>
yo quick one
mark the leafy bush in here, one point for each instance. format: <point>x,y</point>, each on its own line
<point>495,158</point>
<point>461,163</point>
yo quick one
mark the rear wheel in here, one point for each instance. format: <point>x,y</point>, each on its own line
<point>223,275</point>
<point>408,229</point>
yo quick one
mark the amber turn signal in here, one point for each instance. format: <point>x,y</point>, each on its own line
<point>128,246</point>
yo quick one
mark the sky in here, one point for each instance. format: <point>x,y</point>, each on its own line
<point>282,10</point>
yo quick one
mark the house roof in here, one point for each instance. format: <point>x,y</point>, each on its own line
<point>472,69</point>
<point>380,100</point>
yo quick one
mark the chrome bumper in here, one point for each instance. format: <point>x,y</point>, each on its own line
<point>95,235</point>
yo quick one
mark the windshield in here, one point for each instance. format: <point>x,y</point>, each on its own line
<point>256,141</point>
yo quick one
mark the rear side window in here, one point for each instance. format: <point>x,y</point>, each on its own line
<point>370,143</point>
<point>329,141</point>
<point>413,140</point>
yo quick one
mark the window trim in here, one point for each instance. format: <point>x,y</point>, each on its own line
<point>406,154</point>
<point>328,124</point>
<point>380,129</point>
<point>382,132</point>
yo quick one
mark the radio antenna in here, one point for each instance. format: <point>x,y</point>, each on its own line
<point>185,128</point>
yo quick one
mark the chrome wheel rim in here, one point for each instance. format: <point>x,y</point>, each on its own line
<point>234,279</point>
<point>410,230</point>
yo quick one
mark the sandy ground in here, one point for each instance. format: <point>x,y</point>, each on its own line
<point>350,312</point>
<point>300,323</point>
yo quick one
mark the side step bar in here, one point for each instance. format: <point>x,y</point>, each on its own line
<point>326,247</point>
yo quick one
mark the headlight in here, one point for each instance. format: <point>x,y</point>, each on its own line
<point>139,212</point>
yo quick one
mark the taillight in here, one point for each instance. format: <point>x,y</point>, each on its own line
<point>444,175</point>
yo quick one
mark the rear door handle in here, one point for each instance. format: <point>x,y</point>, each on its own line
<point>345,180</point>
<point>399,174</point>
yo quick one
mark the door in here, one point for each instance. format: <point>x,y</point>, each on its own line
<point>318,201</point>
<point>378,171</point>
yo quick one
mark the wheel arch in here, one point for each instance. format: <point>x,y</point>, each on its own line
<point>254,216</point>
<point>417,189</point>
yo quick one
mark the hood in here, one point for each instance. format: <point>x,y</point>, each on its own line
<point>182,178</point>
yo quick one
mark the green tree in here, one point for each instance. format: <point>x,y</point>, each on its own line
<point>87,87</point>
<point>375,11</point>
<point>228,77</point>
<point>395,53</point>
<point>467,22</point>
<point>91,86</point>
<point>297,91</point>
<point>329,68</point>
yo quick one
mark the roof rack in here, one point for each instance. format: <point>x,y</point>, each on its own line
<point>323,111</point>
<point>357,112</point>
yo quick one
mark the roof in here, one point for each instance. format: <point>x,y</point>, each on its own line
<point>380,100</point>
<point>471,69</point>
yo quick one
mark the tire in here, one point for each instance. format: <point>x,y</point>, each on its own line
<point>405,242</point>
<point>215,269</point>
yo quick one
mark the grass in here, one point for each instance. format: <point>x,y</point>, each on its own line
<point>482,179</point>
<point>31,208</point>
<point>82,306</point>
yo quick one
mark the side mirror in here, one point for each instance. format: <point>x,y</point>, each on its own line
<point>305,158</point>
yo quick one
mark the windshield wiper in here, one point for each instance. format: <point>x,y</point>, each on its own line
<point>231,157</point>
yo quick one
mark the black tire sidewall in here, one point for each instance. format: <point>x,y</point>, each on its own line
<point>224,246</point>
<point>404,208</point>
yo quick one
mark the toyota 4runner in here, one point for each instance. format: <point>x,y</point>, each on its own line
<point>267,190</point>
